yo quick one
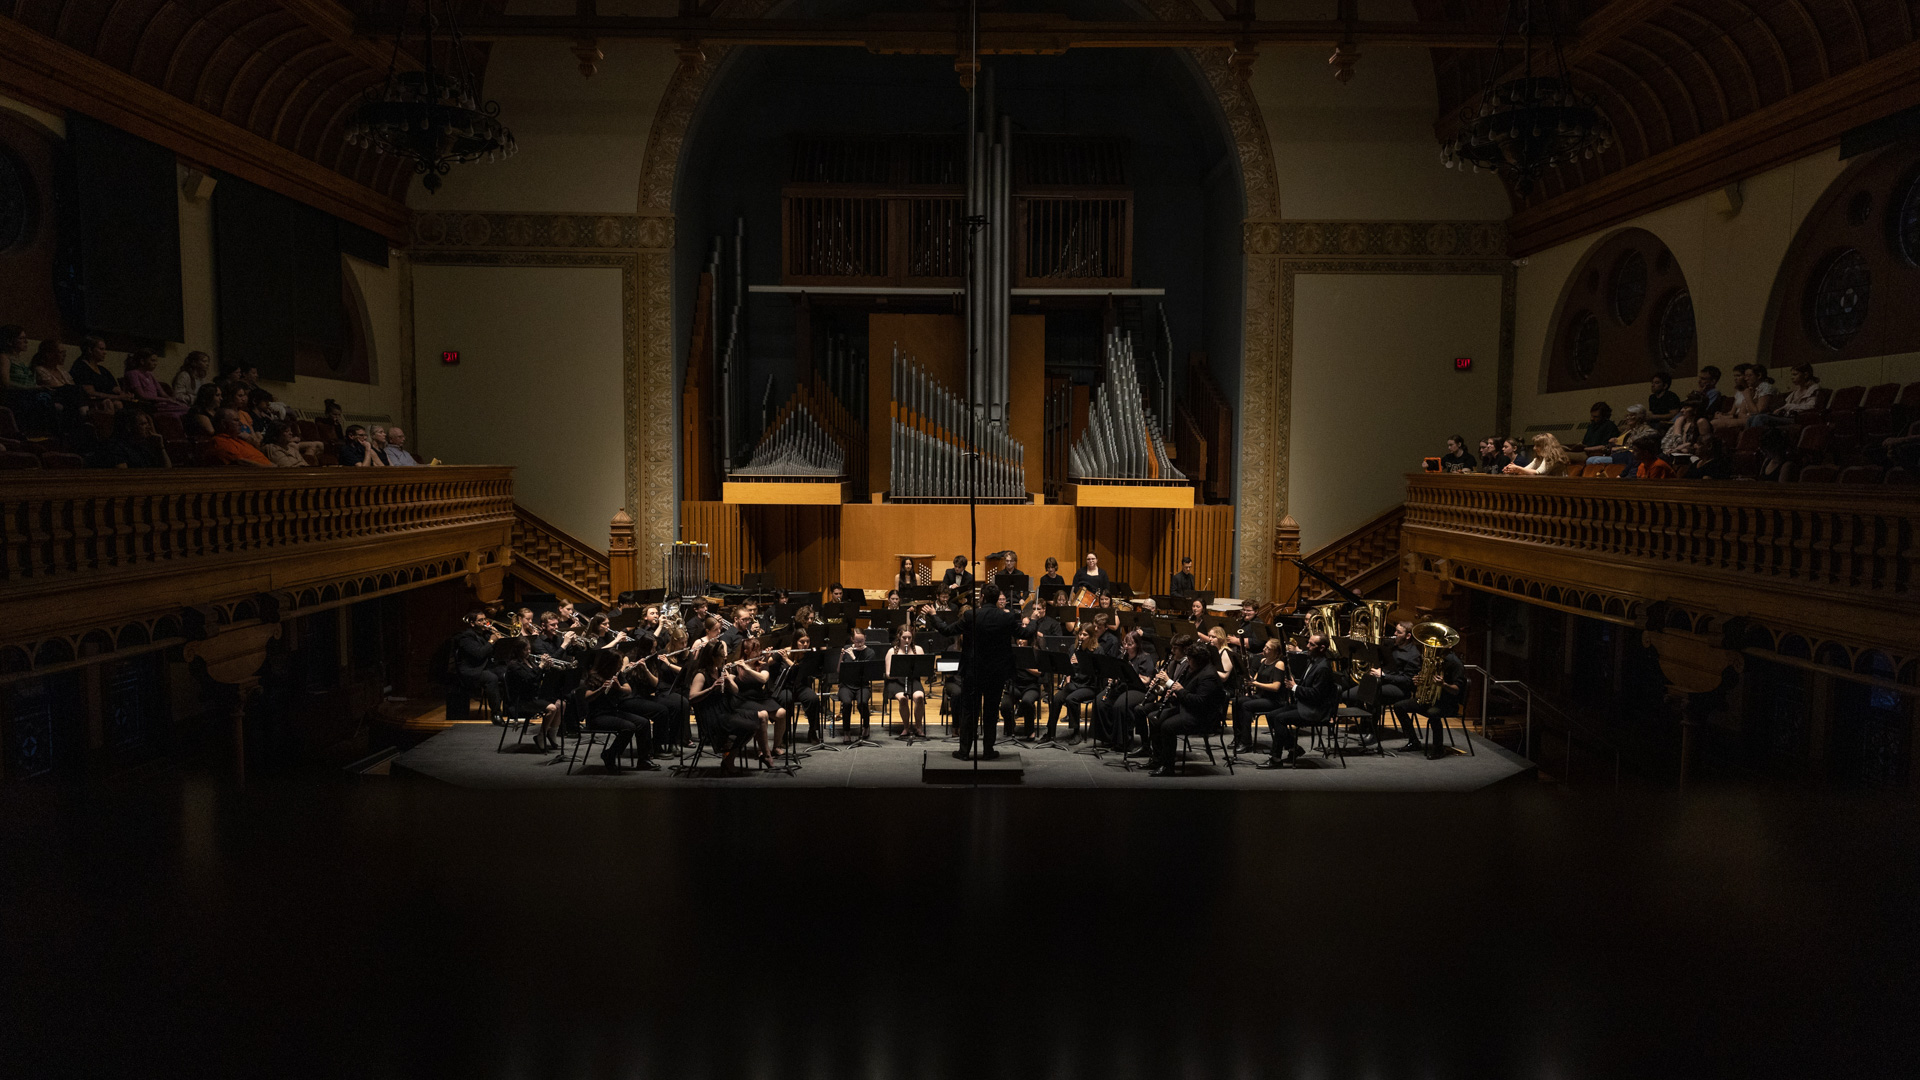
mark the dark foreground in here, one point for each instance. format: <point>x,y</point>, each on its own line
<point>380,929</point>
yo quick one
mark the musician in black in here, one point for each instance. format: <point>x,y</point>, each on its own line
<point>1266,693</point>
<point>1200,702</point>
<point>1252,634</point>
<point>1315,696</point>
<point>795,695</point>
<point>1021,699</point>
<point>908,575</point>
<point>1114,710</point>
<point>656,695</point>
<point>1081,688</point>
<point>1052,585</point>
<point>958,578</point>
<point>986,663</point>
<point>752,686</point>
<point>1453,690</point>
<point>1037,624</point>
<point>1197,613</point>
<point>855,694</point>
<point>1091,577</point>
<point>472,660</point>
<point>1182,583</point>
<point>1157,699</point>
<point>605,690</point>
<point>526,694</point>
<point>1396,683</point>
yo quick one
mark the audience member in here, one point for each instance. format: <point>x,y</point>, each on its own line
<point>202,421</point>
<point>1456,459</point>
<point>1678,441</point>
<point>1620,447</point>
<point>238,399</point>
<point>1711,461</point>
<point>32,404</point>
<point>1753,395</point>
<point>1775,450</point>
<point>281,447</point>
<point>358,449</point>
<point>1600,428</point>
<point>193,373</point>
<point>265,407</point>
<point>1662,403</point>
<point>140,366</point>
<point>1803,395</point>
<point>1549,458</point>
<point>397,453</point>
<point>134,444</point>
<point>90,374</point>
<point>333,416</point>
<point>1515,452</point>
<point>50,371</point>
<point>229,447</point>
<point>1491,459</point>
<point>1709,380</point>
<point>1647,462</point>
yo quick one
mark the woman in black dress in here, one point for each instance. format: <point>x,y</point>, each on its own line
<point>751,686</point>
<point>526,696</point>
<point>908,695</point>
<point>605,689</point>
<point>794,695</point>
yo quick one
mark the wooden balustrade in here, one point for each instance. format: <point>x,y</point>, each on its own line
<point>1840,559</point>
<point>1361,560</point>
<point>81,549</point>
<point>553,559</point>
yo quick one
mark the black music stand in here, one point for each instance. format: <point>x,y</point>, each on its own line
<point>918,593</point>
<point>909,666</point>
<point>861,673</point>
<point>1054,657</point>
<point>947,667</point>
<point>1119,669</point>
<point>1014,584</point>
<point>797,673</point>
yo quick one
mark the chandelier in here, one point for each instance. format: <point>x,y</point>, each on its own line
<point>1522,126</point>
<point>432,117</point>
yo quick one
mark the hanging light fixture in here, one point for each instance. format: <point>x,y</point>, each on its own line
<point>1522,126</point>
<point>433,117</point>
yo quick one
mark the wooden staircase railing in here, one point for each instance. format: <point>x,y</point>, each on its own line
<point>1366,560</point>
<point>555,561</point>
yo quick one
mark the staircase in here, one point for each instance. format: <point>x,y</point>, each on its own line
<point>1366,560</point>
<point>554,561</point>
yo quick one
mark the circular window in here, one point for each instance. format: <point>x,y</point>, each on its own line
<point>1840,296</point>
<point>1906,222</point>
<point>1583,345</point>
<point>1860,208</point>
<point>1629,287</point>
<point>1676,331</point>
<point>16,202</point>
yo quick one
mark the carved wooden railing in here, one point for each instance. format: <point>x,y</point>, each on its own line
<point>84,552</point>
<point>1362,560</point>
<point>1842,559</point>
<point>558,562</point>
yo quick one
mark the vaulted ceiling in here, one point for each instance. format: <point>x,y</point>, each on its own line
<point>286,70</point>
<point>1668,71</point>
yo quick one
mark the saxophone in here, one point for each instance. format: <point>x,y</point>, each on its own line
<point>1435,639</point>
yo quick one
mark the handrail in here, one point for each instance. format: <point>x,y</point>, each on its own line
<point>1377,541</point>
<point>1520,691</point>
<point>63,529</point>
<point>561,556</point>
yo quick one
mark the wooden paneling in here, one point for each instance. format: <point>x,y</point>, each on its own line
<point>1143,547</point>
<point>875,534</point>
<point>798,545</point>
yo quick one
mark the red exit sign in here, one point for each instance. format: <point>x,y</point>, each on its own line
<point>1463,363</point>
<point>452,356</point>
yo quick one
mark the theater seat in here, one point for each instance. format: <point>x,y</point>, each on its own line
<point>54,459</point>
<point>1818,474</point>
<point>13,459</point>
<point>1861,474</point>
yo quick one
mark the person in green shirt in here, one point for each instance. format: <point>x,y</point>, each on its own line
<point>31,403</point>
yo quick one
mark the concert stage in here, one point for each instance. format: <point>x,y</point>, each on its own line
<point>464,756</point>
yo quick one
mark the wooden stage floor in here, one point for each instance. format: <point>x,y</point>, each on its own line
<point>464,755</point>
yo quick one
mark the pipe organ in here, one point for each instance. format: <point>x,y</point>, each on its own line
<point>942,450</point>
<point>797,446</point>
<point>1123,439</point>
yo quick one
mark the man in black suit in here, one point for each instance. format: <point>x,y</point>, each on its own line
<point>473,663</point>
<point>1315,696</point>
<point>1183,581</point>
<point>986,661</point>
<point>957,576</point>
<point>1200,701</point>
<point>1396,682</point>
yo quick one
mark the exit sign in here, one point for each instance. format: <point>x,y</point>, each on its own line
<point>452,356</point>
<point>1460,363</point>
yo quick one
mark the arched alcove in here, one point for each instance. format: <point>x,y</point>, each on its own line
<point>1625,313</point>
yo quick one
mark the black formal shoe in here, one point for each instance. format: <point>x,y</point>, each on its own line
<point>1272,763</point>
<point>1165,769</point>
<point>1413,744</point>
<point>1435,753</point>
<point>991,755</point>
<point>1140,751</point>
<point>961,754</point>
<point>613,765</point>
<point>647,765</point>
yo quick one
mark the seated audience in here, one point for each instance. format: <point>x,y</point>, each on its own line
<point>397,453</point>
<point>281,446</point>
<point>1620,447</point>
<point>1753,395</point>
<point>1662,403</point>
<point>1549,458</point>
<point>1804,394</point>
<point>1647,463</point>
<point>193,374</point>
<point>1456,459</point>
<point>1600,429</point>
<point>333,416</point>
<point>1711,461</point>
<point>202,421</point>
<point>50,371</point>
<point>1678,441</point>
<point>238,399</point>
<point>1515,451</point>
<point>90,374</point>
<point>229,447</point>
<point>358,448</point>
<point>141,382</point>
<point>32,404</point>
<point>134,444</point>
<point>1709,387</point>
<point>265,408</point>
<point>1491,459</point>
<point>1775,451</point>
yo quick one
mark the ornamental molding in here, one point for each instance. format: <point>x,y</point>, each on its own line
<point>432,231</point>
<point>1377,239</point>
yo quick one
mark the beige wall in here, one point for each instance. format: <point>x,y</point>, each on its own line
<point>1730,262</point>
<point>1374,389</point>
<point>537,387</point>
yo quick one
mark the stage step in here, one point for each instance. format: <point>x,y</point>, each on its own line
<point>941,767</point>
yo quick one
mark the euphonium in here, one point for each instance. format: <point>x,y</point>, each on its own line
<point>1435,639</point>
<point>1368,623</point>
<point>1324,620</point>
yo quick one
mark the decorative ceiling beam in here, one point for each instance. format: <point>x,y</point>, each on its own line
<point>1806,123</point>
<point>334,21</point>
<point>940,34</point>
<point>52,74</point>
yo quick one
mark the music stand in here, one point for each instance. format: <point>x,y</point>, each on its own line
<point>1120,669</point>
<point>919,593</point>
<point>1013,583</point>
<point>799,673</point>
<point>863,674</point>
<point>910,666</point>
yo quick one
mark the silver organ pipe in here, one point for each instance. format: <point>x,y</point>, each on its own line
<point>941,448</point>
<point>1123,438</point>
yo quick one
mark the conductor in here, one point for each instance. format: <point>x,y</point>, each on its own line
<point>986,662</point>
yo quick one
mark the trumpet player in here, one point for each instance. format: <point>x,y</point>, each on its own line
<point>1315,696</point>
<point>472,662</point>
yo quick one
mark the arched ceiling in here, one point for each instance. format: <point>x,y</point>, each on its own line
<point>1668,71</point>
<point>286,70</point>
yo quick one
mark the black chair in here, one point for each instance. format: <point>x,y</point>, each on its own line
<point>1364,719</point>
<point>1216,729</point>
<point>586,736</point>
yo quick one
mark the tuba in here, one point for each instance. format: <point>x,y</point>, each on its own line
<point>1435,639</point>
<point>1324,620</point>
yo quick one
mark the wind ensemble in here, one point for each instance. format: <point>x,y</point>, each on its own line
<point>687,679</point>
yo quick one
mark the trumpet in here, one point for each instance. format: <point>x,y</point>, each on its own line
<point>547,660</point>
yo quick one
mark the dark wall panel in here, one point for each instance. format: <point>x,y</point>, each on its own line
<point>121,242</point>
